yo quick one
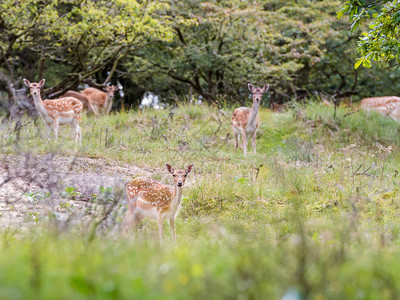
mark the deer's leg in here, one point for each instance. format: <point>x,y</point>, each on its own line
<point>136,220</point>
<point>48,129</point>
<point>109,106</point>
<point>236,140</point>
<point>160,222</point>
<point>98,109</point>
<point>76,131</point>
<point>55,127</point>
<point>254,141</point>
<point>93,108</point>
<point>127,221</point>
<point>103,108</point>
<point>79,134</point>
<point>172,225</point>
<point>131,217</point>
<point>73,127</point>
<point>245,139</point>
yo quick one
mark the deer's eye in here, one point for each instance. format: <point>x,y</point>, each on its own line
<point>185,175</point>
<point>174,175</point>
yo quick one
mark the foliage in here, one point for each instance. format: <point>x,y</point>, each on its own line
<point>233,43</point>
<point>71,193</point>
<point>174,48</point>
<point>80,37</point>
<point>299,47</point>
<point>381,42</point>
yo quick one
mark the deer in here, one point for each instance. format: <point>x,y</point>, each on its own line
<point>245,120</point>
<point>58,111</point>
<point>148,197</point>
<point>100,101</point>
<point>80,97</point>
<point>389,105</point>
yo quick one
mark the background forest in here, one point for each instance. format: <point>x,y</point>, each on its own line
<point>314,214</point>
<point>174,48</point>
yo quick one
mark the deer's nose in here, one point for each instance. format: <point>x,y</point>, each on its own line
<point>180,183</point>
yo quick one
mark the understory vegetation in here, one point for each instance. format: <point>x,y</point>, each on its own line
<point>314,214</point>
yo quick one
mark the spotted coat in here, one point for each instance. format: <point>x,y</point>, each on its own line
<point>57,112</point>
<point>63,107</point>
<point>148,197</point>
<point>78,96</point>
<point>150,192</point>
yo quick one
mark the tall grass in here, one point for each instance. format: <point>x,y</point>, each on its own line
<point>316,211</point>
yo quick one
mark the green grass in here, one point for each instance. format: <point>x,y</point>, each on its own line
<point>300,214</point>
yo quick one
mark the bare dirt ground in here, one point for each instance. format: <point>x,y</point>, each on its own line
<point>32,186</point>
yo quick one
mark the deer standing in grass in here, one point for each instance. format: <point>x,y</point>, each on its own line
<point>59,111</point>
<point>389,106</point>
<point>100,101</point>
<point>245,120</point>
<point>148,197</point>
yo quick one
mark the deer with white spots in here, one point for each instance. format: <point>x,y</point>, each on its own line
<point>57,112</point>
<point>80,97</point>
<point>148,197</point>
<point>389,106</point>
<point>245,120</point>
<point>100,101</point>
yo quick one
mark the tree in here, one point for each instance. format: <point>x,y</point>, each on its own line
<point>297,46</point>
<point>169,47</point>
<point>380,42</point>
<point>73,41</point>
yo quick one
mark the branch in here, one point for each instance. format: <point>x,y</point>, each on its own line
<point>78,54</point>
<point>180,35</point>
<point>114,67</point>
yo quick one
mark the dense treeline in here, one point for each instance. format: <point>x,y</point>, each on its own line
<point>175,47</point>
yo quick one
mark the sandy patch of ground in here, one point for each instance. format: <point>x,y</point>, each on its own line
<point>32,186</point>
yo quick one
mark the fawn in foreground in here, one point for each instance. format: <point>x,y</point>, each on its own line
<point>148,197</point>
<point>245,120</point>
<point>59,111</point>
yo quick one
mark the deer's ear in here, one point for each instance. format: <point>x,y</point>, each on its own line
<point>189,169</point>
<point>26,82</point>
<point>169,168</point>
<point>265,88</point>
<point>41,82</point>
<point>250,86</point>
<point>116,88</point>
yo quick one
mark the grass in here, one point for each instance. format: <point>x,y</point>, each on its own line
<point>315,211</point>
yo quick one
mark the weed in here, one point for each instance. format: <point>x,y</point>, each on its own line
<point>36,197</point>
<point>71,193</point>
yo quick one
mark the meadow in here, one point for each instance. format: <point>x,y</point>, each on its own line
<point>313,215</point>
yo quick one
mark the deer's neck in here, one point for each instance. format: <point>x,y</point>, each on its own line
<point>108,99</point>
<point>39,105</point>
<point>176,200</point>
<point>253,115</point>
